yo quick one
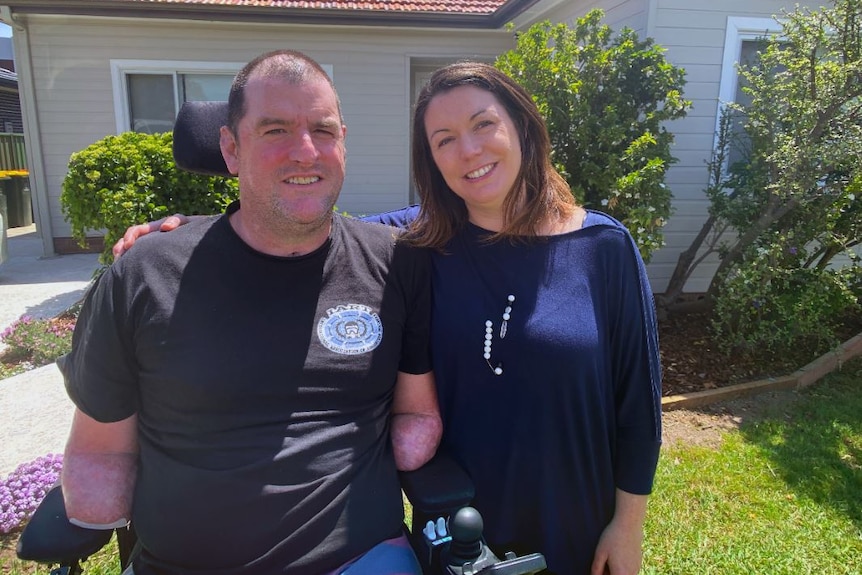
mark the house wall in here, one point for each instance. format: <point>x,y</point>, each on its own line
<point>371,69</point>
<point>618,13</point>
<point>693,32</point>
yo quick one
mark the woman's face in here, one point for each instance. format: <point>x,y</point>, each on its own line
<point>476,147</point>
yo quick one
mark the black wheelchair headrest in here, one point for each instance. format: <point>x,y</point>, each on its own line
<point>196,138</point>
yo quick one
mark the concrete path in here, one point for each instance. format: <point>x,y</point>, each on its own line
<point>35,413</point>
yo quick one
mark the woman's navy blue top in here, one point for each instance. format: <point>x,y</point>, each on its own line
<point>576,412</point>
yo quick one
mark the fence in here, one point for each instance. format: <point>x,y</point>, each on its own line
<point>15,181</point>
<point>13,154</point>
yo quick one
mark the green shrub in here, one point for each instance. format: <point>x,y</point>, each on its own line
<point>788,277</point>
<point>772,305</point>
<point>131,178</point>
<point>605,98</point>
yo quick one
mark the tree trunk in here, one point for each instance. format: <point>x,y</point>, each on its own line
<point>684,268</point>
<point>768,218</point>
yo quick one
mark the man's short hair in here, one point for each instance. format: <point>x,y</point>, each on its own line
<point>290,65</point>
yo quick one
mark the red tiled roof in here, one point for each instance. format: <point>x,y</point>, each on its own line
<point>471,14</point>
<point>486,7</point>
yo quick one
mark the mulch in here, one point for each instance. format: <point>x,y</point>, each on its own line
<point>691,359</point>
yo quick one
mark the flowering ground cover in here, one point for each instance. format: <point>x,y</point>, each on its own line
<point>23,489</point>
<point>31,343</point>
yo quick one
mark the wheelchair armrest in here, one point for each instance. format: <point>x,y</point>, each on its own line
<point>49,537</point>
<point>438,487</point>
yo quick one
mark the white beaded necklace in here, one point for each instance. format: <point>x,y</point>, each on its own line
<point>489,334</point>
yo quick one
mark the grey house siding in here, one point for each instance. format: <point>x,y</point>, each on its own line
<point>75,102</point>
<point>633,14</point>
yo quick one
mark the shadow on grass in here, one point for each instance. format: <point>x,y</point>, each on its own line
<point>816,444</point>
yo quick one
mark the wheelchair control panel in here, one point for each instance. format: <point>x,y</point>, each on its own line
<point>458,548</point>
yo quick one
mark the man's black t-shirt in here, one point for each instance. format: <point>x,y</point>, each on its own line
<point>263,388</point>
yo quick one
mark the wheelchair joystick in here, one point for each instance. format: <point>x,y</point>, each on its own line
<point>467,554</point>
<point>466,528</point>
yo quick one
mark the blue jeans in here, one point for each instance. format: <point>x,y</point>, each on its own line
<point>391,557</point>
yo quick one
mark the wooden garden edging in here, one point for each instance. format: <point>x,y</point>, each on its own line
<point>797,380</point>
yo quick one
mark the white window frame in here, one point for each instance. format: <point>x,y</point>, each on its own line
<point>122,68</point>
<point>739,29</point>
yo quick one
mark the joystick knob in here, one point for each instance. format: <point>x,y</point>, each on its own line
<point>466,527</point>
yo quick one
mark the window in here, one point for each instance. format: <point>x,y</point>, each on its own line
<point>148,94</point>
<point>743,41</point>
<point>154,99</point>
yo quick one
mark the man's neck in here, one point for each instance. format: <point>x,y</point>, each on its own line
<point>283,241</point>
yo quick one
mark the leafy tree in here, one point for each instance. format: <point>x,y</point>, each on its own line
<point>605,98</point>
<point>791,207</point>
<point>131,178</point>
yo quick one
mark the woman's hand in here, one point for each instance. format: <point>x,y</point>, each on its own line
<point>620,548</point>
<point>167,224</point>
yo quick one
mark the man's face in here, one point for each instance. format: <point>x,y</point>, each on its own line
<point>288,152</point>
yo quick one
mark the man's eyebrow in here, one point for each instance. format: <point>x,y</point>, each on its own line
<point>322,123</point>
<point>331,122</point>
<point>267,121</point>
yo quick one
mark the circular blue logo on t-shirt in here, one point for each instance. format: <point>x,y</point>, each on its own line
<point>350,329</point>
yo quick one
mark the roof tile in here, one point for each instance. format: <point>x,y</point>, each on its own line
<point>486,7</point>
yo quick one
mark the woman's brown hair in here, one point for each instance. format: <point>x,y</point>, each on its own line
<point>539,194</point>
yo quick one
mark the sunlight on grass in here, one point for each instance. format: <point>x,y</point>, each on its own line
<point>782,496</point>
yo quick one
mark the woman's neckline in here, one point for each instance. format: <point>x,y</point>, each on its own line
<point>571,227</point>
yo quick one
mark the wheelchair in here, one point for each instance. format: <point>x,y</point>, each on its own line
<point>445,533</point>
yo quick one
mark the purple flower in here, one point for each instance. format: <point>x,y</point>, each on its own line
<point>23,489</point>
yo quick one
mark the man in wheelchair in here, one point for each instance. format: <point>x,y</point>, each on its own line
<point>237,384</point>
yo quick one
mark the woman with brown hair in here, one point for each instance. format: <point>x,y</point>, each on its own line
<point>544,339</point>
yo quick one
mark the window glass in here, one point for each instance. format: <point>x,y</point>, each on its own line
<point>204,87</point>
<point>749,51</point>
<point>152,102</point>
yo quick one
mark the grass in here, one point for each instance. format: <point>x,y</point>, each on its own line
<point>103,563</point>
<point>10,369</point>
<point>781,496</point>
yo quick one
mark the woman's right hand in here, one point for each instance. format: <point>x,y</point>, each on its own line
<point>167,224</point>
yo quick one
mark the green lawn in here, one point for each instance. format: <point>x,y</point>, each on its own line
<point>782,496</point>
<point>779,497</point>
